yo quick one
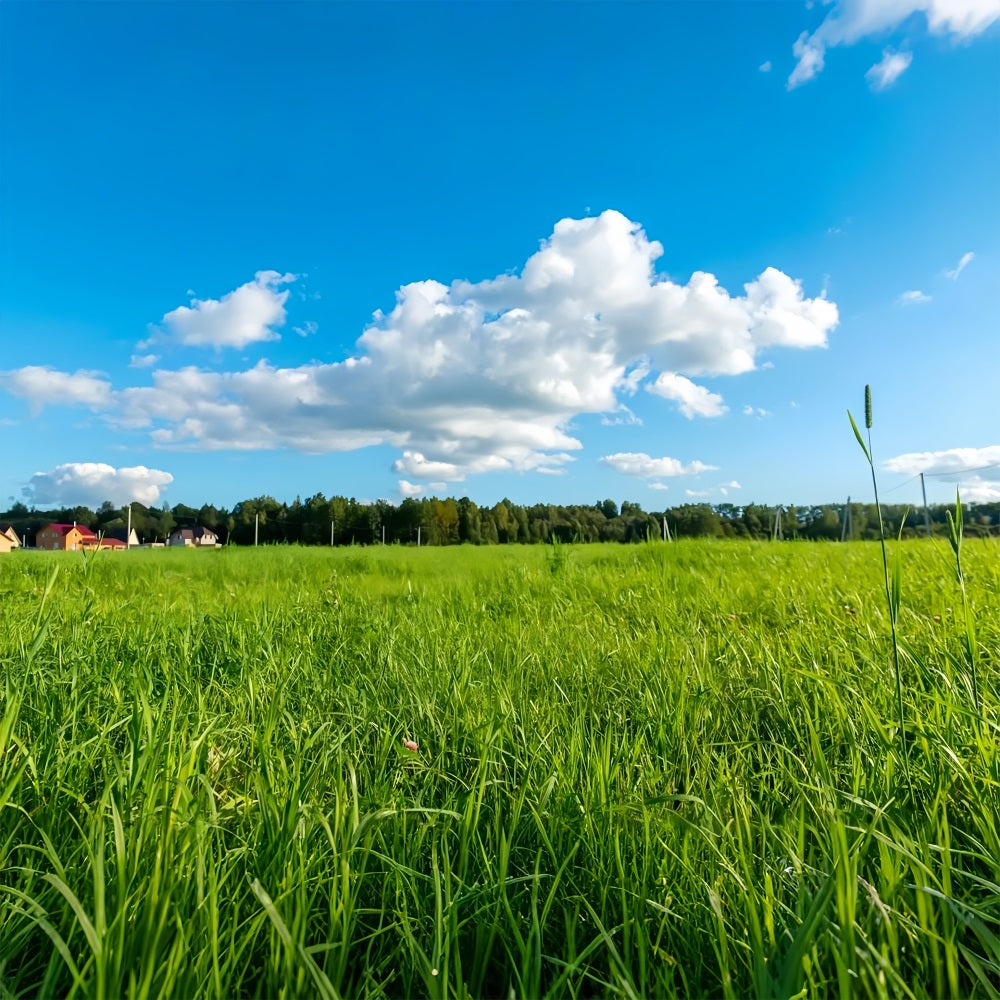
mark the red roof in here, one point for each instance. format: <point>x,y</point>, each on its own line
<point>65,529</point>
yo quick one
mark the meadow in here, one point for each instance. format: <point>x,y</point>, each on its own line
<point>646,771</point>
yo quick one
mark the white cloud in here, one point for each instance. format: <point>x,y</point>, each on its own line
<point>965,260</point>
<point>42,386</point>
<point>961,18</point>
<point>414,464</point>
<point>244,316</point>
<point>809,56</point>
<point>693,400</point>
<point>658,486</point>
<point>733,485</point>
<point>951,462</point>
<point>640,464</point>
<point>307,329</point>
<point>765,67</point>
<point>697,493</point>
<point>91,483</point>
<point>848,21</point>
<point>408,489</point>
<point>481,376</point>
<point>622,417</point>
<point>957,465</point>
<point>889,69</point>
<point>634,377</point>
<point>143,360</point>
<point>914,297</point>
<point>975,489</point>
<point>755,411</point>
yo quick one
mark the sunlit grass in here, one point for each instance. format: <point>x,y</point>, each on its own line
<point>649,771</point>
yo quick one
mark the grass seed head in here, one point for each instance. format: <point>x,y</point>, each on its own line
<point>868,407</point>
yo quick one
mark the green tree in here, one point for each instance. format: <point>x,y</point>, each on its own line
<point>469,522</point>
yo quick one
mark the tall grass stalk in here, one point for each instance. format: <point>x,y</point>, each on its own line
<point>970,646</point>
<point>893,584</point>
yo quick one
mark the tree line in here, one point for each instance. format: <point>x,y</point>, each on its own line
<point>433,521</point>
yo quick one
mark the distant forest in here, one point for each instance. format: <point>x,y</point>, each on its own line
<point>342,521</point>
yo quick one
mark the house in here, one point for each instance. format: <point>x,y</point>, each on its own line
<point>65,537</point>
<point>8,538</point>
<point>196,537</point>
<point>113,544</point>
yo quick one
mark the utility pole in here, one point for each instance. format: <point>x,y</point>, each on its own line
<point>846,519</point>
<point>128,530</point>
<point>927,513</point>
<point>256,521</point>
<point>666,529</point>
<point>777,534</point>
<point>383,534</point>
<point>418,536</point>
<point>332,525</point>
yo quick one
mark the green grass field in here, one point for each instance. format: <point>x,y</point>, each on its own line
<point>646,771</point>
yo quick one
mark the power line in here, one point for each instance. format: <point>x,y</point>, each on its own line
<point>962,472</point>
<point>902,484</point>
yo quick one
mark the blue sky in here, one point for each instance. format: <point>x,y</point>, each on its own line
<point>555,252</point>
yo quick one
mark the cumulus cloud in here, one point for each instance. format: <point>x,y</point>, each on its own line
<point>414,464</point>
<point>975,489</point>
<point>483,376</point>
<point>755,411</point>
<point>408,489</point>
<point>693,400</point>
<point>42,386</point>
<point>639,464</point>
<point>888,69</point>
<point>952,461</point>
<point>848,21</point>
<point>914,297</point>
<point>956,465</point>
<point>91,483</point>
<point>964,261</point>
<point>246,315</point>
<point>733,485</point>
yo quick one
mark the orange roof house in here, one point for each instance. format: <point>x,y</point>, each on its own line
<point>65,537</point>
<point>8,538</point>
